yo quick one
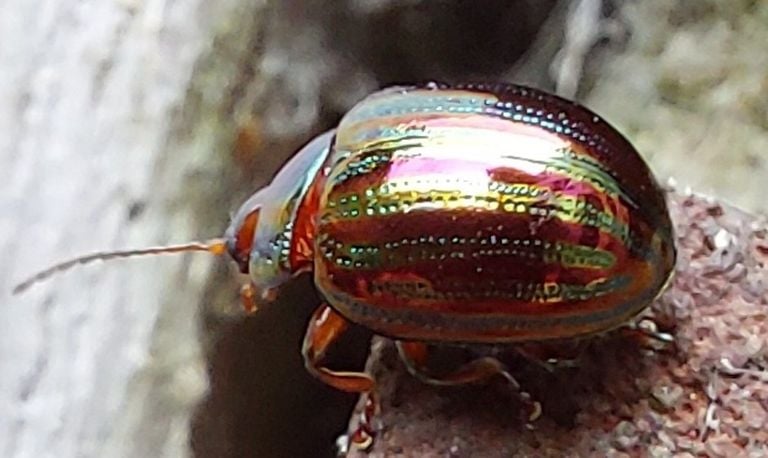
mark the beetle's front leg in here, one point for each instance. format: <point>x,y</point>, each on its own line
<point>553,356</point>
<point>325,328</point>
<point>250,297</point>
<point>415,355</point>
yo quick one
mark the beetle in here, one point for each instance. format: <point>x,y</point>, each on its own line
<point>454,214</point>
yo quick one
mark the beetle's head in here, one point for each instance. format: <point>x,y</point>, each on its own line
<point>258,240</point>
<point>240,233</point>
<point>261,235</point>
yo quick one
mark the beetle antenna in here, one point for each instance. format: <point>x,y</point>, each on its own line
<point>214,246</point>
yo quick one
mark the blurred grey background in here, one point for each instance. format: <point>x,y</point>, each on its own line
<point>133,123</point>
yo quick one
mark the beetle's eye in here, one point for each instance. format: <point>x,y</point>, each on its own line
<point>239,243</point>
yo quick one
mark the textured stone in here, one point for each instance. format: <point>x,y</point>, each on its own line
<point>711,384</point>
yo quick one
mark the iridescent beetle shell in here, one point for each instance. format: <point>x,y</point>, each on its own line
<point>486,213</point>
<point>469,213</point>
<point>459,214</point>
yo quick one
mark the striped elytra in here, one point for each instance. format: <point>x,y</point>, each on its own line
<point>483,213</point>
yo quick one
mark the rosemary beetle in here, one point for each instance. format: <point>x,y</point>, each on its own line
<point>453,214</point>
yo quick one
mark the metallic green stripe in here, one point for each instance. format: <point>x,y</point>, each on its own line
<point>369,158</point>
<point>406,251</point>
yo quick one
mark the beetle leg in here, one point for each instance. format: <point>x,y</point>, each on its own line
<point>416,354</point>
<point>646,332</point>
<point>248,298</point>
<point>325,328</point>
<point>552,357</point>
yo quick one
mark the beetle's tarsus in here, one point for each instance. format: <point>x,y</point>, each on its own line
<point>325,328</point>
<point>647,333</point>
<point>651,329</point>
<point>248,298</point>
<point>536,411</point>
<point>362,439</point>
<point>550,360</point>
<point>365,433</point>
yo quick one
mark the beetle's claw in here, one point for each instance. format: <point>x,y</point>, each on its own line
<point>248,298</point>
<point>362,439</point>
<point>532,409</point>
<point>647,334</point>
<point>535,411</point>
<point>364,435</point>
<point>649,328</point>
